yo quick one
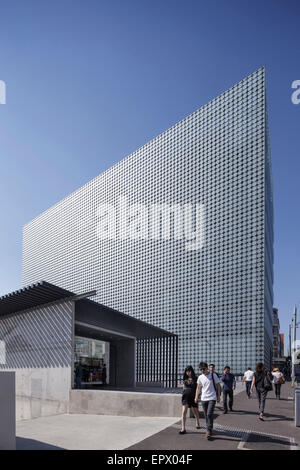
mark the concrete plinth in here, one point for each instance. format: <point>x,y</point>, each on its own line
<point>108,402</point>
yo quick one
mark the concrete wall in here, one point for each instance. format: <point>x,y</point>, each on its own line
<point>38,347</point>
<point>7,411</point>
<point>117,403</point>
<point>124,403</point>
<point>42,392</point>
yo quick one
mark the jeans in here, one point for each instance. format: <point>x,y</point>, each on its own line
<point>261,395</point>
<point>248,386</point>
<point>208,410</point>
<point>277,390</point>
<point>225,394</point>
<point>78,382</point>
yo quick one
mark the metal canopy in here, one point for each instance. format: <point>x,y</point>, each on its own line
<point>36,294</point>
<point>94,313</point>
<point>90,312</point>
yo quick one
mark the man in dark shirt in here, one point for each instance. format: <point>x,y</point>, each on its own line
<point>104,374</point>
<point>229,385</point>
<point>78,375</point>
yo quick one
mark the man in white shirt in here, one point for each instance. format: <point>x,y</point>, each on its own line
<point>211,392</point>
<point>248,376</point>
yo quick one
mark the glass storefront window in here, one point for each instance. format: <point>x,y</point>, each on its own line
<point>93,357</point>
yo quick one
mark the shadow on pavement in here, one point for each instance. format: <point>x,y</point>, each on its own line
<point>277,417</point>
<point>261,442</point>
<point>281,399</point>
<point>23,443</point>
<point>237,412</point>
<point>228,435</point>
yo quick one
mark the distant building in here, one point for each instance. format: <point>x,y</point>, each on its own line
<point>276,334</point>
<point>281,335</point>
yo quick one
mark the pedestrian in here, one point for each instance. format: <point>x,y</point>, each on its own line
<point>211,392</point>
<point>262,381</point>
<point>104,374</point>
<point>78,375</point>
<point>229,384</point>
<point>188,397</point>
<point>248,376</point>
<point>212,369</point>
<point>278,380</point>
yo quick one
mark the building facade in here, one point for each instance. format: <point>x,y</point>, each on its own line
<point>179,233</point>
<point>281,350</point>
<point>276,334</point>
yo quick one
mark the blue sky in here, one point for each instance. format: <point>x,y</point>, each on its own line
<point>88,82</point>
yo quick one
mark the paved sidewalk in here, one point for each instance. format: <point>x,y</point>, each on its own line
<point>86,432</point>
<point>240,429</point>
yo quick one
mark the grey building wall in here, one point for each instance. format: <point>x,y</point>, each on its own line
<point>38,347</point>
<point>218,299</point>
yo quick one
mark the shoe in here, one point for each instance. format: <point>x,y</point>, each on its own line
<point>261,418</point>
<point>231,409</point>
<point>208,435</point>
<point>225,412</point>
<point>182,432</point>
<point>198,427</point>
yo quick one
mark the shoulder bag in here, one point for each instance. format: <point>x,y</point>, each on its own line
<point>268,387</point>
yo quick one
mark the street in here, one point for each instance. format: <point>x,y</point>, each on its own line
<point>240,429</point>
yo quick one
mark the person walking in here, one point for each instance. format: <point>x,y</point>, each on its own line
<point>229,384</point>
<point>188,397</point>
<point>248,376</point>
<point>262,382</point>
<point>104,374</point>
<point>212,369</point>
<point>211,392</point>
<point>278,380</point>
<point>78,375</point>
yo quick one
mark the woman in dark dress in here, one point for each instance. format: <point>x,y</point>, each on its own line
<point>262,381</point>
<point>188,397</point>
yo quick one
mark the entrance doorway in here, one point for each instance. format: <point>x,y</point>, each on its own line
<point>91,362</point>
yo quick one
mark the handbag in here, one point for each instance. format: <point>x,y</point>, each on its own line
<point>280,380</point>
<point>268,387</point>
